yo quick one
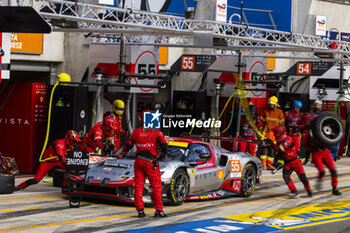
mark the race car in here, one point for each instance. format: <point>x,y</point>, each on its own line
<point>192,170</point>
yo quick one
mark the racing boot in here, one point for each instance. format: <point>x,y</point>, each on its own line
<point>309,193</point>
<point>336,192</point>
<point>17,188</point>
<point>160,214</point>
<point>141,213</point>
<point>294,194</point>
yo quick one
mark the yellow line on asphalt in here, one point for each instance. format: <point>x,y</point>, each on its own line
<point>70,222</point>
<point>5,211</point>
<point>19,198</point>
<point>34,208</point>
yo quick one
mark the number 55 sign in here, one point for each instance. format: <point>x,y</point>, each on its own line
<point>187,62</point>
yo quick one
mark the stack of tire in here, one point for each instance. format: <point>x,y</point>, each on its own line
<point>327,130</point>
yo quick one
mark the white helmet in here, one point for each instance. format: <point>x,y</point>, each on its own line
<point>318,102</point>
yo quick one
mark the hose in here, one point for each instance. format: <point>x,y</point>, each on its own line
<point>48,127</point>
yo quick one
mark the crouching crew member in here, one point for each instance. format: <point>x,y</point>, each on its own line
<point>58,149</point>
<point>320,156</point>
<point>93,140</point>
<point>147,142</point>
<point>286,150</point>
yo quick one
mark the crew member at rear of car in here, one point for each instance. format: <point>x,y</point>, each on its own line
<point>320,156</point>
<point>286,150</point>
<point>147,142</point>
<point>54,156</point>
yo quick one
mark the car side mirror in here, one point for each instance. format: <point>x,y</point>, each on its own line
<point>205,158</point>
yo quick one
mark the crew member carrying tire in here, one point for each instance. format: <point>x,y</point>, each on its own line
<point>146,165</point>
<point>320,156</point>
<point>294,124</point>
<point>57,149</point>
<point>93,140</point>
<point>286,151</point>
<point>271,117</point>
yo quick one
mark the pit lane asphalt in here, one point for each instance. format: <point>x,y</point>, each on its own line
<point>42,207</point>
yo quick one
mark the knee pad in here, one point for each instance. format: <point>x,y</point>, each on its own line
<point>333,172</point>
<point>31,181</point>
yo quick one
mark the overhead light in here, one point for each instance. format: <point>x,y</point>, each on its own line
<point>324,55</point>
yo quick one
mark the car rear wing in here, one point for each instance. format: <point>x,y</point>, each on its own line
<point>235,139</point>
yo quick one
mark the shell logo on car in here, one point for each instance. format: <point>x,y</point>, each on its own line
<point>220,174</point>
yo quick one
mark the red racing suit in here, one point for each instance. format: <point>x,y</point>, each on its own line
<point>320,157</point>
<point>92,141</point>
<point>59,149</point>
<point>294,124</point>
<point>147,142</point>
<point>248,132</point>
<point>287,152</point>
<point>120,130</point>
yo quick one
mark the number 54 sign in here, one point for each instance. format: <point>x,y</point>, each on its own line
<point>304,68</point>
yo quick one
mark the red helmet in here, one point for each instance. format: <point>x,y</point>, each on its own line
<point>109,123</point>
<point>280,132</point>
<point>306,118</point>
<point>72,138</point>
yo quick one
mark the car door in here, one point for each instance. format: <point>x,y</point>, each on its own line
<point>206,174</point>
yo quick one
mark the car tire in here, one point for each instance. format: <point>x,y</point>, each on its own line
<point>327,130</point>
<point>248,182</point>
<point>7,184</point>
<point>179,187</point>
<point>58,177</point>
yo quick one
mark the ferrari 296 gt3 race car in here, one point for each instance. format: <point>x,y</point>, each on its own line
<point>191,170</point>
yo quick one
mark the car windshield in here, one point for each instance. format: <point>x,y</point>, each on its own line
<point>179,151</point>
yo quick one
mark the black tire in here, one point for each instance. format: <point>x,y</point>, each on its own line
<point>179,187</point>
<point>58,177</point>
<point>248,182</point>
<point>327,130</point>
<point>7,184</point>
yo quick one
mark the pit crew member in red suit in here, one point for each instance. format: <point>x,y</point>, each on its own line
<point>248,132</point>
<point>93,141</point>
<point>320,156</point>
<point>147,142</point>
<point>294,123</point>
<point>59,149</point>
<point>286,151</point>
<point>118,110</point>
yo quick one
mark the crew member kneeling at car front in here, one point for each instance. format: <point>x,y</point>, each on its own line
<point>54,156</point>
<point>147,141</point>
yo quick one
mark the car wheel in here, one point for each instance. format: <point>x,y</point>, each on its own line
<point>248,182</point>
<point>179,187</point>
<point>327,130</point>
<point>7,184</point>
<point>58,177</point>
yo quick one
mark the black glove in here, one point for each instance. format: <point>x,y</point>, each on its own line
<point>105,148</point>
<point>111,148</point>
<point>268,142</point>
<point>337,157</point>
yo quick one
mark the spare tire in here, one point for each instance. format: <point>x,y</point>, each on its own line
<point>327,130</point>
<point>7,184</point>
